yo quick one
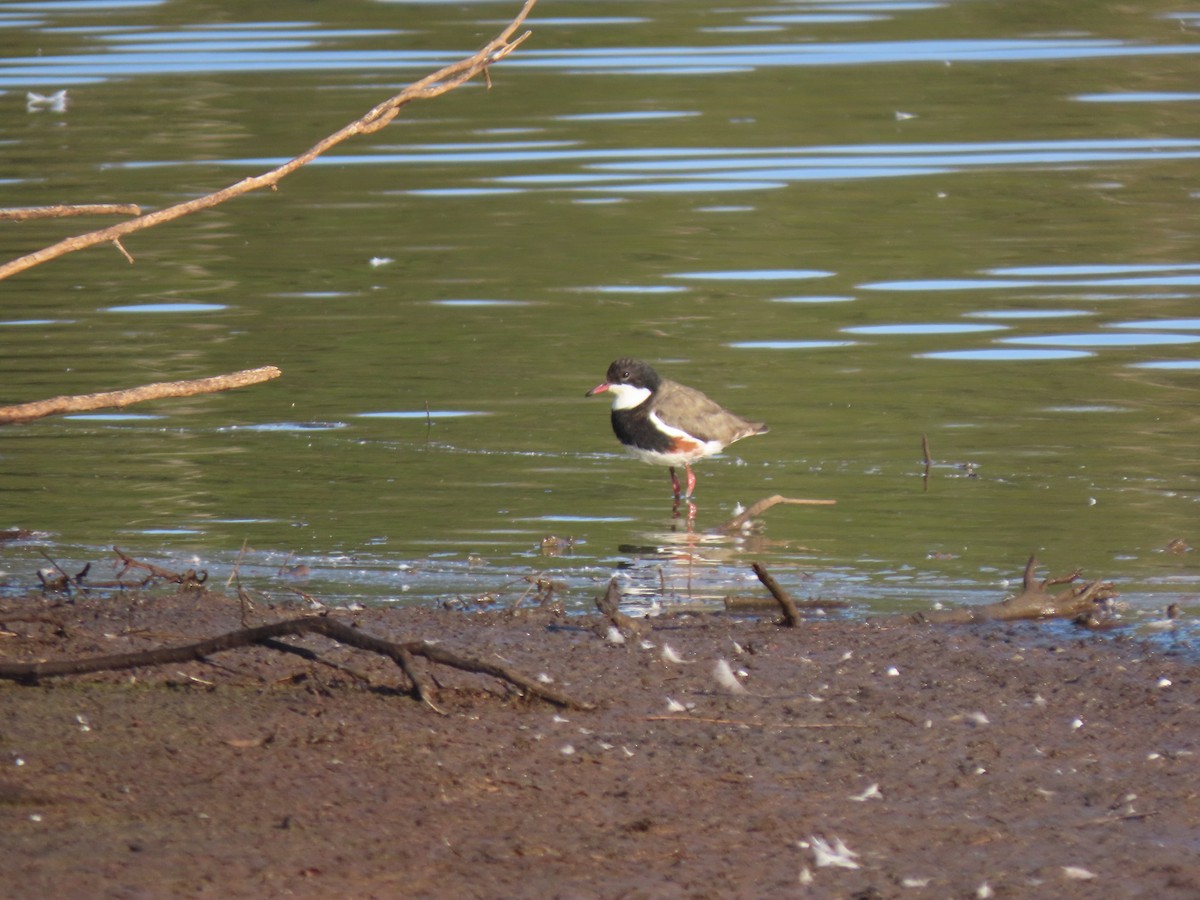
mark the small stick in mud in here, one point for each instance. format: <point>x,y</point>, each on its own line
<point>609,605</point>
<point>65,579</point>
<point>791,616</point>
<point>401,654</point>
<point>245,604</point>
<point>57,406</point>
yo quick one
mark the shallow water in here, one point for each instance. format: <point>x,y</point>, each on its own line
<point>861,222</point>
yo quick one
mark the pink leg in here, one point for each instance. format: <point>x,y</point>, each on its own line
<point>691,481</point>
<point>675,481</point>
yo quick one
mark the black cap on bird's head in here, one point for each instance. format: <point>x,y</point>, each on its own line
<point>633,372</point>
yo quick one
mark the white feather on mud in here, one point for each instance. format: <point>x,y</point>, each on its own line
<point>669,655</point>
<point>726,679</point>
<point>832,853</point>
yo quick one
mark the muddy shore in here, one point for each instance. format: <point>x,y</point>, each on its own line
<point>848,760</point>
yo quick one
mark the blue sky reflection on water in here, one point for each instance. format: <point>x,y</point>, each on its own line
<point>290,47</point>
<point>701,170</point>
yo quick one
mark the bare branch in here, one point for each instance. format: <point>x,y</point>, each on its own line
<point>57,406</point>
<point>401,654</point>
<point>63,210</point>
<point>1088,603</point>
<point>434,85</point>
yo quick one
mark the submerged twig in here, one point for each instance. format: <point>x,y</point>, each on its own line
<point>757,509</point>
<point>928,462</point>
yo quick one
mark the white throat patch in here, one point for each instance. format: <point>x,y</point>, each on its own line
<point>626,396</point>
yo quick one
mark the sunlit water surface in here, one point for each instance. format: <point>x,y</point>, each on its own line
<point>862,222</point>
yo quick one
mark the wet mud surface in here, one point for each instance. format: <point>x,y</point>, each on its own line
<point>848,760</point>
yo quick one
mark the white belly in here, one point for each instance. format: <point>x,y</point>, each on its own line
<point>693,454</point>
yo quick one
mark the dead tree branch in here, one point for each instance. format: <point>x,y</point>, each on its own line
<point>401,654</point>
<point>434,85</point>
<point>57,406</point>
<point>1087,602</point>
<point>63,210</point>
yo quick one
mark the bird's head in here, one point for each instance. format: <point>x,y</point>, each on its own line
<point>630,381</point>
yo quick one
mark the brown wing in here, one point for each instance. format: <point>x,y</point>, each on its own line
<point>691,411</point>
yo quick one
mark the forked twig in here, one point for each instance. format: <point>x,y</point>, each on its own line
<point>401,654</point>
<point>1087,602</point>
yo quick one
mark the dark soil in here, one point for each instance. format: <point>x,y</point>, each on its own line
<point>952,763</point>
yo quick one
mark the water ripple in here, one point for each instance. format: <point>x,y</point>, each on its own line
<point>790,345</point>
<point>1168,324</point>
<point>1132,339</point>
<point>422,414</point>
<point>641,169</point>
<point>167,308</point>
<point>923,328</point>
<point>283,46</point>
<point>466,304</point>
<point>1140,97</point>
<point>1004,355</point>
<point>285,427</point>
<point>754,275</point>
<point>1139,275</point>
<point>751,57</point>
<point>1179,364</point>
<point>1029,313</point>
